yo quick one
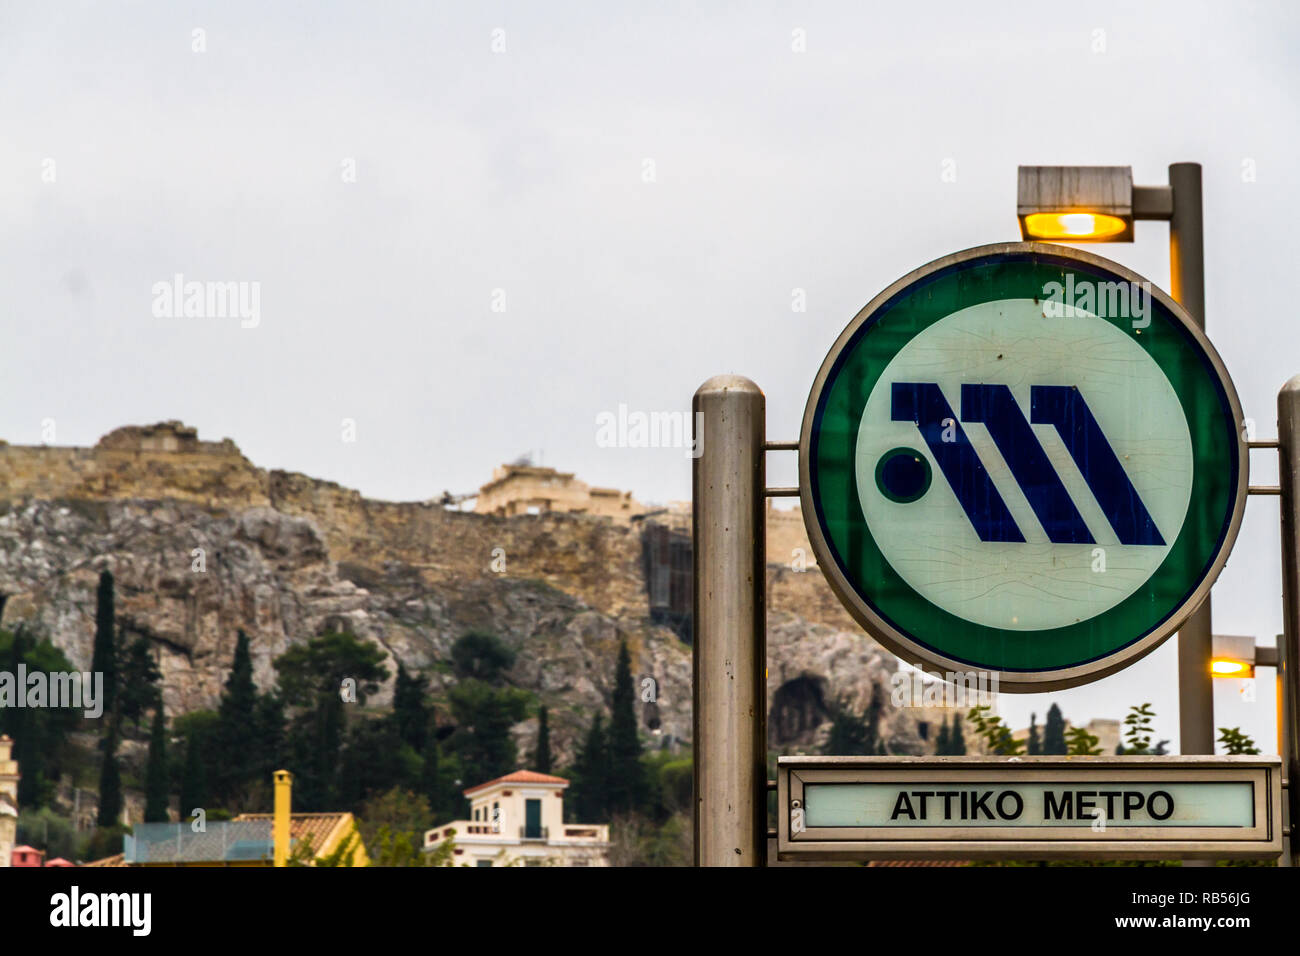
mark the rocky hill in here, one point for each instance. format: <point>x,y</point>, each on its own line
<point>202,543</point>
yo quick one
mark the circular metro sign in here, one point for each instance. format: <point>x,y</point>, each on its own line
<point>1022,459</point>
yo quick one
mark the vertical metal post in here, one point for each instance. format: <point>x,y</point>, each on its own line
<point>730,667</point>
<point>1187,283</point>
<point>1288,648</point>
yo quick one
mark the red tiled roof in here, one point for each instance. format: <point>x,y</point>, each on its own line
<point>519,776</point>
<point>918,863</point>
<point>318,826</point>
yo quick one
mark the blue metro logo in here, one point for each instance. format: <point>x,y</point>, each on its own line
<point>994,407</point>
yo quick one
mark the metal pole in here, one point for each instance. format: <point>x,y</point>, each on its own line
<point>1187,283</point>
<point>1288,648</point>
<point>730,672</point>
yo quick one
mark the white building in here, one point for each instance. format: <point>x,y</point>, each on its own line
<point>8,800</point>
<point>518,820</point>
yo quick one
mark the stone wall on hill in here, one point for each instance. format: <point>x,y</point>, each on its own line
<point>285,556</point>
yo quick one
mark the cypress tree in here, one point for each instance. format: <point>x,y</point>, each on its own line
<point>138,678</point>
<point>104,658</point>
<point>194,778</point>
<point>1054,732</point>
<point>1033,747</point>
<point>156,796</point>
<point>268,747</point>
<point>627,775</point>
<point>542,758</point>
<point>234,758</point>
<point>941,742</point>
<point>850,735</point>
<point>956,741</point>
<point>591,769</point>
<point>431,779</point>
<point>110,784</point>
<point>873,720</point>
<point>25,726</point>
<point>408,708</point>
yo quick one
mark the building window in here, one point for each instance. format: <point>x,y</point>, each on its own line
<point>483,863</point>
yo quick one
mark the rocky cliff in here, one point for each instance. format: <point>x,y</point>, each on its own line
<point>202,543</point>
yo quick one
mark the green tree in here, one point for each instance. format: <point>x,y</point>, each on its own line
<point>40,734</point>
<point>1080,743</point>
<point>104,655</point>
<point>156,789</point>
<point>438,783</point>
<point>311,677</point>
<point>48,830</point>
<point>484,746</point>
<point>110,783</point>
<point>405,815</point>
<point>316,670</point>
<point>1054,732</point>
<point>375,760</point>
<point>396,848</point>
<point>483,657</point>
<point>542,755</point>
<point>997,735</point>
<point>942,743</point>
<point>850,734</point>
<point>198,730</point>
<point>409,710</point>
<point>138,679</point>
<point>1137,732</point>
<point>590,787</point>
<point>269,745</point>
<point>1235,742</point>
<point>235,756</point>
<point>102,842</point>
<point>957,739</point>
<point>1033,746</point>
<point>874,710</point>
<point>626,774</point>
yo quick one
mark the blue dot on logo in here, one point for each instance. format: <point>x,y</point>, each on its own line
<point>903,475</point>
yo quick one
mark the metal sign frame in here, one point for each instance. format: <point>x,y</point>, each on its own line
<point>1024,681</point>
<point>1263,840</point>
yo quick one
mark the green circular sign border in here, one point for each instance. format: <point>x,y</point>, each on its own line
<point>893,611</point>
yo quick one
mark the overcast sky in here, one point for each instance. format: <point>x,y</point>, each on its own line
<point>641,192</point>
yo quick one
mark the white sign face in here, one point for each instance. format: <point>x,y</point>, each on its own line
<point>1104,803</point>
<point>856,808</point>
<point>1035,583</point>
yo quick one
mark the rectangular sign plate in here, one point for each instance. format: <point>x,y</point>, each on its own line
<point>1029,808</point>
